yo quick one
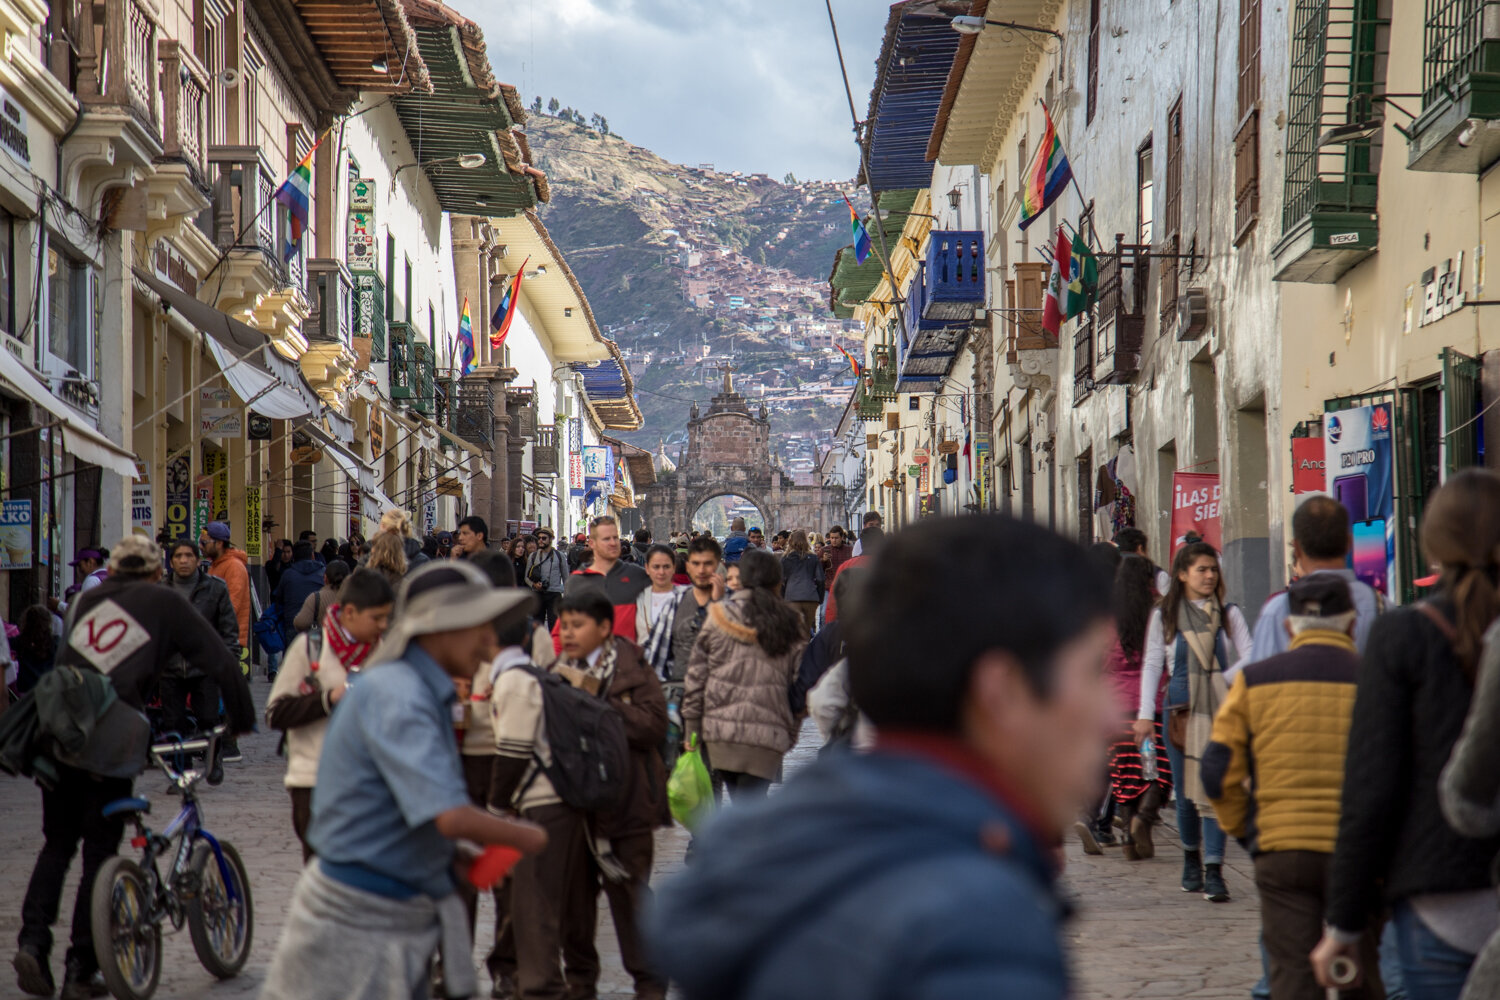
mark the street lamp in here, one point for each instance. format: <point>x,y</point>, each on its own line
<point>466,161</point>
<point>967,24</point>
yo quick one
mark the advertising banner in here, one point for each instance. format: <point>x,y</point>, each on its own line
<point>982,468</point>
<point>924,475</point>
<point>216,466</point>
<point>201,517</point>
<point>598,463</point>
<point>1195,507</point>
<point>1361,470</point>
<point>575,456</point>
<point>15,534</point>
<point>252,522</point>
<point>140,509</point>
<point>179,498</point>
<point>1308,474</point>
<point>44,512</point>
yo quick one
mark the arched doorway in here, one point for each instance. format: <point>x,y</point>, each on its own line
<point>715,512</point>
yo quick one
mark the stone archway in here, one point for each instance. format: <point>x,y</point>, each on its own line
<point>729,454</point>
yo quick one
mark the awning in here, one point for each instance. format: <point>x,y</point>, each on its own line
<point>373,500</point>
<point>270,384</point>
<point>79,439</point>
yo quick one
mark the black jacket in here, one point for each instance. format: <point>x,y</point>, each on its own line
<point>131,630</point>
<point>1409,709</point>
<point>210,598</point>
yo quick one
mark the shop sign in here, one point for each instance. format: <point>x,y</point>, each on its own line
<point>361,242</point>
<point>201,517</point>
<point>179,498</point>
<point>1361,468</point>
<point>575,456</point>
<point>377,435</point>
<point>1195,507</point>
<point>259,427</point>
<point>598,463</point>
<point>528,527</point>
<point>1308,469</point>
<point>252,522</point>
<point>44,497</point>
<point>140,509</point>
<point>429,517</point>
<point>14,129</point>
<point>982,460</point>
<point>216,468</point>
<point>1442,291</point>
<point>924,474</point>
<point>15,534</point>
<point>362,195</point>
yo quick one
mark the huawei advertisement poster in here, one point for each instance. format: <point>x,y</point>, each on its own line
<point>1361,474</point>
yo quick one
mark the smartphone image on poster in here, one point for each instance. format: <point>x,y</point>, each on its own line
<point>1369,553</point>
<point>1354,493</point>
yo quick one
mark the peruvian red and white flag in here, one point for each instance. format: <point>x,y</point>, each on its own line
<point>1057,282</point>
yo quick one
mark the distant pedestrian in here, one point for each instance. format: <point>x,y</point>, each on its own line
<point>872,519</point>
<point>546,572</point>
<point>311,612</point>
<point>874,540</point>
<point>302,577</point>
<point>736,542</point>
<point>35,648</point>
<point>835,553</point>
<point>1193,639</point>
<point>804,583</point>
<point>471,538</point>
<point>735,694</point>
<point>388,557</point>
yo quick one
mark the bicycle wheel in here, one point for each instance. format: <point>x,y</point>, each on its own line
<point>127,943</point>
<point>221,927</point>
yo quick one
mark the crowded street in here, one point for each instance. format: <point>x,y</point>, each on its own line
<point>1113,899</point>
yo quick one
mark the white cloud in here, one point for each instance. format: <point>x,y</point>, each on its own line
<point>751,86</point>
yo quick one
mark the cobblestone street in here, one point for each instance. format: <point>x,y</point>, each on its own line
<point>1135,933</point>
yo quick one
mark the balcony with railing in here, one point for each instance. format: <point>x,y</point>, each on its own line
<point>1329,220</point>
<point>185,93</point>
<point>474,411</point>
<point>412,372</point>
<point>368,333</point>
<point>443,410</point>
<point>943,302</point>
<point>546,456</point>
<point>1110,336</point>
<point>1455,131</point>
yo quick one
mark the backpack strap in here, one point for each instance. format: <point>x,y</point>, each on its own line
<point>1437,618</point>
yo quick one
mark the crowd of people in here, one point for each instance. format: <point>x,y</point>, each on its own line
<point>452,706</point>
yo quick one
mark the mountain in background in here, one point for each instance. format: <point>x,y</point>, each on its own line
<point>687,268</point>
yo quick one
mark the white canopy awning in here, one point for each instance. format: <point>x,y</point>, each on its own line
<point>258,389</point>
<point>270,384</point>
<point>79,439</point>
<point>373,500</point>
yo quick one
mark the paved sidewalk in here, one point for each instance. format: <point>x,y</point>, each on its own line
<point>1135,934</point>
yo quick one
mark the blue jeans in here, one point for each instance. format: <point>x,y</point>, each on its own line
<point>1431,969</point>
<point>1189,823</point>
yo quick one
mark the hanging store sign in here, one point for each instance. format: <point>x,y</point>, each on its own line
<point>179,498</point>
<point>253,526</point>
<point>201,516</point>
<point>15,535</point>
<point>361,242</point>
<point>258,427</point>
<point>924,476</point>
<point>982,462</point>
<point>1308,469</point>
<point>1361,469</point>
<point>140,509</point>
<point>598,463</point>
<point>1195,507</point>
<point>575,456</point>
<point>1442,290</point>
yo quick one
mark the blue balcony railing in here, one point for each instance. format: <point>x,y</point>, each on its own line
<point>931,339</point>
<point>954,275</point>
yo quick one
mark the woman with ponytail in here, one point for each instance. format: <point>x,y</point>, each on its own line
<point>735,696</point>
<point>1394,849</point>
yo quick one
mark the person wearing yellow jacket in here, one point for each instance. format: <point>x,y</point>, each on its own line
<point>1274,770</point>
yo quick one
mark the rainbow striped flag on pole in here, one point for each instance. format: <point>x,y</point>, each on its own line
<point>1048,174</point>
<point>296,194</point>
<point>861,235</point>
<point>855,365</point>
<point>506,310</point>
<point>465,340</point>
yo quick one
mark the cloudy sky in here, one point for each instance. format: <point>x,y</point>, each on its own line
<point>750,86</point>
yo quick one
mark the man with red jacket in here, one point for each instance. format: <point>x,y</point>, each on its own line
<point>620,582</point>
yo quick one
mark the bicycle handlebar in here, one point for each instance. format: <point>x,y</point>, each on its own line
<point>206,742</point>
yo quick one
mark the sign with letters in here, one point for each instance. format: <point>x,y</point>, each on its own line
<point>1196,498</point>
<point>107,635</point>
<point>15,534</point>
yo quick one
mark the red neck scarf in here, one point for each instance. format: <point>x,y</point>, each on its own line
<point>351,654</point>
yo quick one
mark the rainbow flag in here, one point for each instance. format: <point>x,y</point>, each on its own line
<point>506,310</point>
<point>858,368</point>
<point>861,235</point>
<point>465,340</point>
<point>1048,174</point>
<point>296,194</point>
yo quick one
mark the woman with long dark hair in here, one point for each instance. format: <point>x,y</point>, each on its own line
<point>735,696</point>
<point>1194,638</point>
<point>1415,688</point>
<point>1138,798</point>
<point>802,573</point>
<point>35,648</point>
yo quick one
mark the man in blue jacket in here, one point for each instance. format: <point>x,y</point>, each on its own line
<point>302,576</point>
<point>923,869</point>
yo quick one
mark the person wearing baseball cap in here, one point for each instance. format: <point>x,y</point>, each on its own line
<point>380,897</point>
<point>89,562</point>
<point>129,629</point>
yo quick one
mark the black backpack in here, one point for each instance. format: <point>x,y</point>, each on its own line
<point>587,739</point>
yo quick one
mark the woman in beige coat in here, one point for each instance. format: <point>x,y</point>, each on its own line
<point>735,697</point>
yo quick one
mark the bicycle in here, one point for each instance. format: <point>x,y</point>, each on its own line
<point>206,888</point>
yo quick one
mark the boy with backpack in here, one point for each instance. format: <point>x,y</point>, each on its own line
<point>317,671</point>
<point>563,756</point>
<point>623,843</point>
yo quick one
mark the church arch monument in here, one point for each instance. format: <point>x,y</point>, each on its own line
<point>729,454</point>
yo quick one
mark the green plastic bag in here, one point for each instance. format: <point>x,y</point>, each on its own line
<point>690,791</point>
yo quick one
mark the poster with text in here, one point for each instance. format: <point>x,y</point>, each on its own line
<point>1361,470</point>
<point>1308,465</point>
<point>140,509</point>
<point>15,534</point>
<point>252,522</point>
<point>1195,507</point>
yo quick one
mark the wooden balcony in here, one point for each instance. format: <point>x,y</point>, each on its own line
<point>184,108</point>
<point>546,457</point>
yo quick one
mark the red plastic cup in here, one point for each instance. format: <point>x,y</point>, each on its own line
<point>492,865</point>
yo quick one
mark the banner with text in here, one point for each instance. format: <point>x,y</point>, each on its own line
<point>1195,507</point>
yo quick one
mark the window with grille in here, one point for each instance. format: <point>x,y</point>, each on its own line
<point>1247,138</point>
<point>1093,91</point>
<point>1336,52</point>
<point>1171,213</point>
